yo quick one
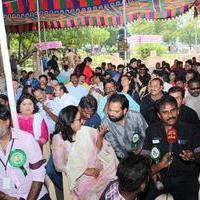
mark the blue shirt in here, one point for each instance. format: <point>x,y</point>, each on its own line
<point>132,105</point>
<point>94,121</point>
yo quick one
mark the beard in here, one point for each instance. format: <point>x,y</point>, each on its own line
<point>116,119</point>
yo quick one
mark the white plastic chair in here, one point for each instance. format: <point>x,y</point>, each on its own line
<point>66,191</point>
<point>50,186</point>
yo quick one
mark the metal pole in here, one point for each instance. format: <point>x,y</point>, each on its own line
<point>39,34</point>
<point>45,38</point>
<point>196,36</point>
<point>125,31</point>
<point>7,68</point>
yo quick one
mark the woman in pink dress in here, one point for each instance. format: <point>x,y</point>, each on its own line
<point>30,120</point>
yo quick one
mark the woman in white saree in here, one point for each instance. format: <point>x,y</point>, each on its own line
<point>88,160</point>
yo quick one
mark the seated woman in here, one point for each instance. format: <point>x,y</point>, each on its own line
<point>30,120</point>
<point>83,154</point>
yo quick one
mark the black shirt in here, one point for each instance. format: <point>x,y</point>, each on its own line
<point>188,139</point>
<point>147,109</point>
<point>188,115</point>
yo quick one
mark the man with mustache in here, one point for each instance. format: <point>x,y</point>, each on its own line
<point>174,148</point>
<point>186,114</point>
<point>22,167</point>
<point>147,105</point>
<point>126,128</point>
<point>110,89</point>
<point>193,99</point>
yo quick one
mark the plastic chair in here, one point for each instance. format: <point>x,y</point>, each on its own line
<point>50,186</point>
<point>66,191</point>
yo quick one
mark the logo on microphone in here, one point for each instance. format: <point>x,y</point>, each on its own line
<point>172,136</point>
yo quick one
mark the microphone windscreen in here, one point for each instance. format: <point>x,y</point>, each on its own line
<point>172,136</point>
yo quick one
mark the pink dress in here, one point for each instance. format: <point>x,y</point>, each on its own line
<point>27,124</point>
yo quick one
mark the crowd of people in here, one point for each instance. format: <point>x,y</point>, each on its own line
<point>117,132</point>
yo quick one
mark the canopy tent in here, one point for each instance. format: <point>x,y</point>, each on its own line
<point>21,16</point>
<point>27,15</point>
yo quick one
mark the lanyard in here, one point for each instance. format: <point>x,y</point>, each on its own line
<point>5,165</point>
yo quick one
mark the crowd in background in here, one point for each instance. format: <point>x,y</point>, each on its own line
<point>95,117</point>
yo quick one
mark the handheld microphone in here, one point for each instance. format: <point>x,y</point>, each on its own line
<point>172,137</point>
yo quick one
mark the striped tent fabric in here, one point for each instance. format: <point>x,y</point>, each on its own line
<point>21,15</point>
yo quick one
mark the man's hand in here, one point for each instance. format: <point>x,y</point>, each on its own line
<point>99,91</point>
<point>92,89</point>
<point>187,155</point>
<point>166,161</point>
<point>10,198</point>
<point>156,177</point>
<point>92,172</point>
<point>4,196</point>
<point>103,130</point>
<point>44,107</point>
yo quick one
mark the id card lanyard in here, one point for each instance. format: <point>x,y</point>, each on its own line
<point>5,164</point>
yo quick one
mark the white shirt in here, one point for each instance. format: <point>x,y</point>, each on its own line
<point>52,107</point>
<point>66,74</point>
<point>78,92</point>
<point>64,101</point>
<point>167,86</point>
<point>95,94</point>
<point>17,184</point>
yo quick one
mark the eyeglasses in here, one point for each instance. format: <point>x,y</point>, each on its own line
<point>78,119</point>
<point>197,88</point>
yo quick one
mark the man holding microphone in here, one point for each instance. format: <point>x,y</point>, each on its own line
<point>174,148</point>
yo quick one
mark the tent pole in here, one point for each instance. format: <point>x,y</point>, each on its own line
<point>39,34</point>
<point>45,38</point>
<point>7,68</point>
<point>125,31</point>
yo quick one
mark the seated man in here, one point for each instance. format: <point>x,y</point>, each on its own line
<point>133,174</point>
<point>22,168</point>
<point>87,108</point>
<point>126,128</point>
<point>110,89</point>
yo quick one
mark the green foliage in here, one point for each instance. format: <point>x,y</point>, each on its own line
<point>22,45</point>
<point>144,50</point>
<point>77,38</point>
<point>189,32</point>
<point>168,29</point>
<point>111,43</point>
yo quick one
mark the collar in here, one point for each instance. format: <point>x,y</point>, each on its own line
<point>17,133</point>
<point>14,133</point>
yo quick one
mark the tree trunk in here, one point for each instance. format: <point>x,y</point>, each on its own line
<point>19,47</point>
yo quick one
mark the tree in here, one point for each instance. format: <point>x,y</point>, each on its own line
<point>188,31</point>
<point>168,29</point>
<point>111,43</point>
<point>22,45</point>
